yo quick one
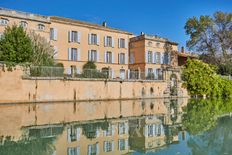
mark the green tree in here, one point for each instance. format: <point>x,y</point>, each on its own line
<point>15,46</point>
<point>211,36</point>
<point>201,79</point>
<point>89,65</point>
<point>42,51</point>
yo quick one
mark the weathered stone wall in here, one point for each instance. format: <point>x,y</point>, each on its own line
<point>15,88</point>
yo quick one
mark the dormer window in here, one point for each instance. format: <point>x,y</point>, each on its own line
<point>23,24</point>
<point>4,21</point>
<point>41,27</point>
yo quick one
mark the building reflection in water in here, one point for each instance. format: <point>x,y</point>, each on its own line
<point>117,127</point>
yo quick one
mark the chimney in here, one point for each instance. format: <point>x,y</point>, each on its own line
<point>182,49</point>
<point>104,24</point>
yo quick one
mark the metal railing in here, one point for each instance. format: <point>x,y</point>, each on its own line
<point>46,71</point>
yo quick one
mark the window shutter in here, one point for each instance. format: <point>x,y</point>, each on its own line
<point>119,60</point>
<point>113,129</point>
<point>69,36</point>
<point>169,59</point>
<point>79,37</point>
<point>127,128</point>
<point>69,70</point>
<point>55,33</point>
<point>69,135</point>
<point>126,58</point>
<point>112,42</point>
<point>112,145</point>
<point>97,132</point>
<point>78,71</point>
<point>119,45</point>
<point>128,74</point>
<point>126,43</point>
<point>89,150</point>
<point>105,57</point>
<point>78,54</point>
<point>78,133</point>
<point>98,58</point>
<point>69,54</point>
<point>90,39</point>
<point>146,72</point>
<point>112,57</point>
<point>105,41</point>
<point>162,58</point>
<point>156,73</point>
<point>154,57</point>
<point>89,55</point>
<point>105,146</point>
<point>146,56</point>
<point>98,149</point>
<point>146,131</point>
<point>98,39</point>
<point>126,144</point>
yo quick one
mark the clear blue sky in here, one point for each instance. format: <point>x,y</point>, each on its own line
<point>165,18</point>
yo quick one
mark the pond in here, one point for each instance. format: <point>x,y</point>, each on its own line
<point>160,127</point>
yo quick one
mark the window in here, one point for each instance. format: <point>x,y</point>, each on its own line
<point>93,149</point>
<point>108,57</point>
<point>157,44</point>
<point>72,55</point>
<point>149,43</point>
<point>132,58</point>
<point>108,146</point>
<point>121,128</point>
<point>108,41</point>
<point>149,55</point>
<point>74,36</point>
<point>93,55</point>
<point>121,58</point>
<point>122,43</point>
<point>93,39</point>
<point>41,27</point>
<point>23,24</point>
<point>121,144</point>
<point>4,21</point>
<point>150,130</point>
<point>74,151</point>
<point>158,57</point>
<point>53,34</point>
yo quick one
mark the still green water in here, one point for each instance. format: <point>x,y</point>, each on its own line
<point>160,127</point>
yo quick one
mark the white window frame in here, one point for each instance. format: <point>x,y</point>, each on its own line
<point>122,58</point>
<point>149,57</point>
<point>122,43</point>
<point>23,24</point>
<point>93,55</point>
<point>41,27</point>
<point>4,21</point>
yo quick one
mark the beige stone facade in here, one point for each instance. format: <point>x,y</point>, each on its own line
<point>76,42</point>
<point>151,55</point>
<point>120,53</point>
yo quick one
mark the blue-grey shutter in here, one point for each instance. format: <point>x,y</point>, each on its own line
<point>69,54</point>
<point>79,37</point>
<point>78,54</point>
<point>89,55</point>
<point>126,43</point>
<point>105,54</point>
<point>112,42</point>
<point>70,36</point>
<point>112,57</point>
<point>105,41</point>
<point>89,38</point>
<point>119,46</point>
<point>154,57</point>
<point>146,56</point>
<point>98,39</point>
<point>98,57</point>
